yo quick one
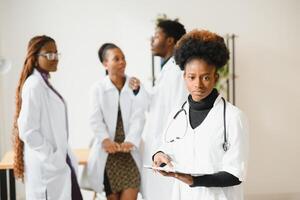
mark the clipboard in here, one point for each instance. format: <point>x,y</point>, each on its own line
<point>165,168</point>
<point>172,169</point>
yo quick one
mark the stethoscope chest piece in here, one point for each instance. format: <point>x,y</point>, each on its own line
<point>226,146</point>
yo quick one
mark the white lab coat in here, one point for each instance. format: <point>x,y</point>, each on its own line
<point>169,92</point>
<point>105,99</point>
<point>42,128</point>
<point>200,152</point>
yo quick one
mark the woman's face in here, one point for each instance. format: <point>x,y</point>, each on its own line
<point>200,78</point>
<point>114,62</point>
<point>48,58</point>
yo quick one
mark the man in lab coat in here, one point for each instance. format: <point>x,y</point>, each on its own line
<point>169,91</point>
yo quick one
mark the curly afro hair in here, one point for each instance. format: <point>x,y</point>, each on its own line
<point>202,44</point>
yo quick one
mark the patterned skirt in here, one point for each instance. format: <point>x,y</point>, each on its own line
<point>121,171</point>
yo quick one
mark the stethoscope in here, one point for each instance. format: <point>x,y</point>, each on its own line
<point>225,144</point>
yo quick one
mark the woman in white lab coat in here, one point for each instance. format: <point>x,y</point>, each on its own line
<point>117,120</point>
<point>205,141</point>
<point>42,155</point>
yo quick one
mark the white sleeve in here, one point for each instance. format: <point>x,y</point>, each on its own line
<point>29,123</point>
<point>97,122</point>
<point>235,159</point>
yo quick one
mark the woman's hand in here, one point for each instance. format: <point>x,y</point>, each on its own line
<point>161,158</point>
<point>134,83</point>
<point>186,178</point>
<point>110,146</point>
<point>126,147</point>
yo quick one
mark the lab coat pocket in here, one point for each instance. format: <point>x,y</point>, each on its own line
<point>55,162</point>
<point>38,195</point>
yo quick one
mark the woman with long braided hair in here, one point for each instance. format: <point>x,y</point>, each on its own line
<point>43,159</point>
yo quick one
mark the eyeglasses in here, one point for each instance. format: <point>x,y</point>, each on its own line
<point>50,56</point>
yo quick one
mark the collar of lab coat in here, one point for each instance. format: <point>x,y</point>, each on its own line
<point>108,85</point>
<point>170,63</point>
<point>218,99</point>
<point>37,74</point>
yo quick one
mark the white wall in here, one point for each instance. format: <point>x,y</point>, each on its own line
<point>267,65</point>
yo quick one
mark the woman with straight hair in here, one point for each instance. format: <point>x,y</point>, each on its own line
<point>117,120</point>
<point>42,155</point>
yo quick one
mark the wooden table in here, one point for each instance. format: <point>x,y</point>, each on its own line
<point>6,171</point>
